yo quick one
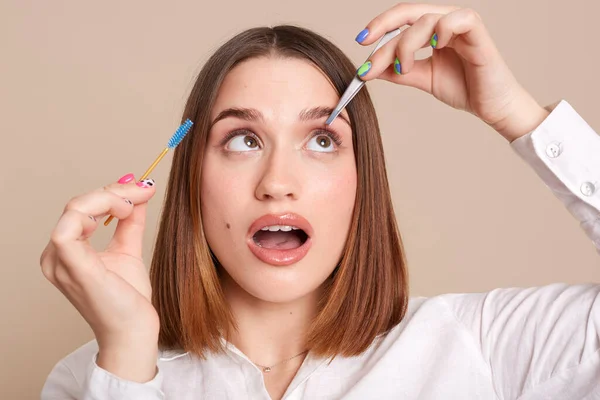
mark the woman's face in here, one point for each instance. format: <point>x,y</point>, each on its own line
<point>268,154</point>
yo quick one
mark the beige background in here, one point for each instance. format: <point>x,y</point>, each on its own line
<point>90,91</point>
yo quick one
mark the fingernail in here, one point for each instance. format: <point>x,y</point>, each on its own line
<point>146,183</point>
<point>126,178</point>
<point>434,40</point>
<point>397,66</point>
<point>362,35</point>
<point>127,201</point>
<point>362,71</point>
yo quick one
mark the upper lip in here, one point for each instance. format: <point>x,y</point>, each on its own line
<point>288,218</point>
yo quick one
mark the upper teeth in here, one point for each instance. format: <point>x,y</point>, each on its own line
<point>285,228</point>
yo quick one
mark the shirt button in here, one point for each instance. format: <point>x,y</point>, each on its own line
<point>553,150</point>
<point>588,188</point>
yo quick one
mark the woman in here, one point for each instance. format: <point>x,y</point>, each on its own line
<point>278,270</point>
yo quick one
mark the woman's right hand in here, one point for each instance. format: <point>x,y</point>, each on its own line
<point>110,289</point>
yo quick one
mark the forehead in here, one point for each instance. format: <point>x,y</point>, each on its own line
<point>275,86</point>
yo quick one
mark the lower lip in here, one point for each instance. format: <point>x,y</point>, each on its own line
<point>279,257</point>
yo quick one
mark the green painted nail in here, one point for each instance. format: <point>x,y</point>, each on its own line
<point>397,67</point>
<point>434,40</point>
<point>364,69</point>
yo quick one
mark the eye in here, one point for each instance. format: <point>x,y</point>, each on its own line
<point>324,141</point>
<point>241,141</point>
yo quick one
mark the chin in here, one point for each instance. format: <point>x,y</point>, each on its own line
<point>276,290</point>
<point>280,294</point>
<point>277,285</point>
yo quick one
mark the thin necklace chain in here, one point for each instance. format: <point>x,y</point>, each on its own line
<point>268,369</point>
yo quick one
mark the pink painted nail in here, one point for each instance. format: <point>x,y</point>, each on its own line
<point>126,178</point>
<point>146,183</point>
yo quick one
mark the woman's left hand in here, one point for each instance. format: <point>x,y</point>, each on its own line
<point>465,71</point>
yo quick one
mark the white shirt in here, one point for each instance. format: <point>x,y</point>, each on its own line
<point>533,343</point>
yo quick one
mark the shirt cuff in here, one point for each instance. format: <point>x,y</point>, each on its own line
<point>102,385</point>
<point>564,151</point>
<point>564,146</point>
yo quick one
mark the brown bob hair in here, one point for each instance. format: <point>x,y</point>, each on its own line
<point>367,293</point>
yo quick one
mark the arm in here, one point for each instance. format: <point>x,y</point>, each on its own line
<point>565,153</point>
<point>544,342</point>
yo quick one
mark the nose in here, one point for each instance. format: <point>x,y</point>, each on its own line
<point>279,179</point>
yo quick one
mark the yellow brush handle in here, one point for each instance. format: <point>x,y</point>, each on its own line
<point>148,171</point>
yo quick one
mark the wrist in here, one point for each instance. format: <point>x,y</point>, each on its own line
<point>132,361</point>
<point>527,115</point>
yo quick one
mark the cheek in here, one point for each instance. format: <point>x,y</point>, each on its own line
<point>223,198</point>
<point>332,197</point>
<point>336,191</point>
<point>337,183</point>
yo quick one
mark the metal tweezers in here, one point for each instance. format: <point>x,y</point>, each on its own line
<point>358,83</point>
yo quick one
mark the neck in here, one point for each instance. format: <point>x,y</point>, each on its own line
<point>269,332</point>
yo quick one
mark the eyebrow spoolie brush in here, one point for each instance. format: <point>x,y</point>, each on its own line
<point>173,142</point>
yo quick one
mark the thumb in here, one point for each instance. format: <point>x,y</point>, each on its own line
<point>419,76</point>
<point>129,234</point>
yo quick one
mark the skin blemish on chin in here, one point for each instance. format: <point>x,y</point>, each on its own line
<point>228,226</point>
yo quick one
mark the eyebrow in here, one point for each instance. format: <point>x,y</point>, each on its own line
<point>251,114</point>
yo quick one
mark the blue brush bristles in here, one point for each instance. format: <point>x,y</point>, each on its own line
<point>179,134</point>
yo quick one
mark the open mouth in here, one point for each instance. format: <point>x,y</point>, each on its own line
<point>280,237</point>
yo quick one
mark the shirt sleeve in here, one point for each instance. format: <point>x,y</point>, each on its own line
<point>72,379</point>
<point>564,151</point>
<point>543,342</point>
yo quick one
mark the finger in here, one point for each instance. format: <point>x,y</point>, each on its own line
<point>419,77</point>
<point>115,199</point>
<point>398,16</point>
<point>48,262</point>
<point>72,225</point>
<point>70,250</point>
<point>386,55</point>
<point>379,61</point>
<point>79,221</point>
<point>99,203</point>
<point>57,273</point>
<point>129,234</point>
<point>415,37</point>
<point>464,31</point>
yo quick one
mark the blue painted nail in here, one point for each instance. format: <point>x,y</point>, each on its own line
<point>362,35</point>
<point>397,66</point>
